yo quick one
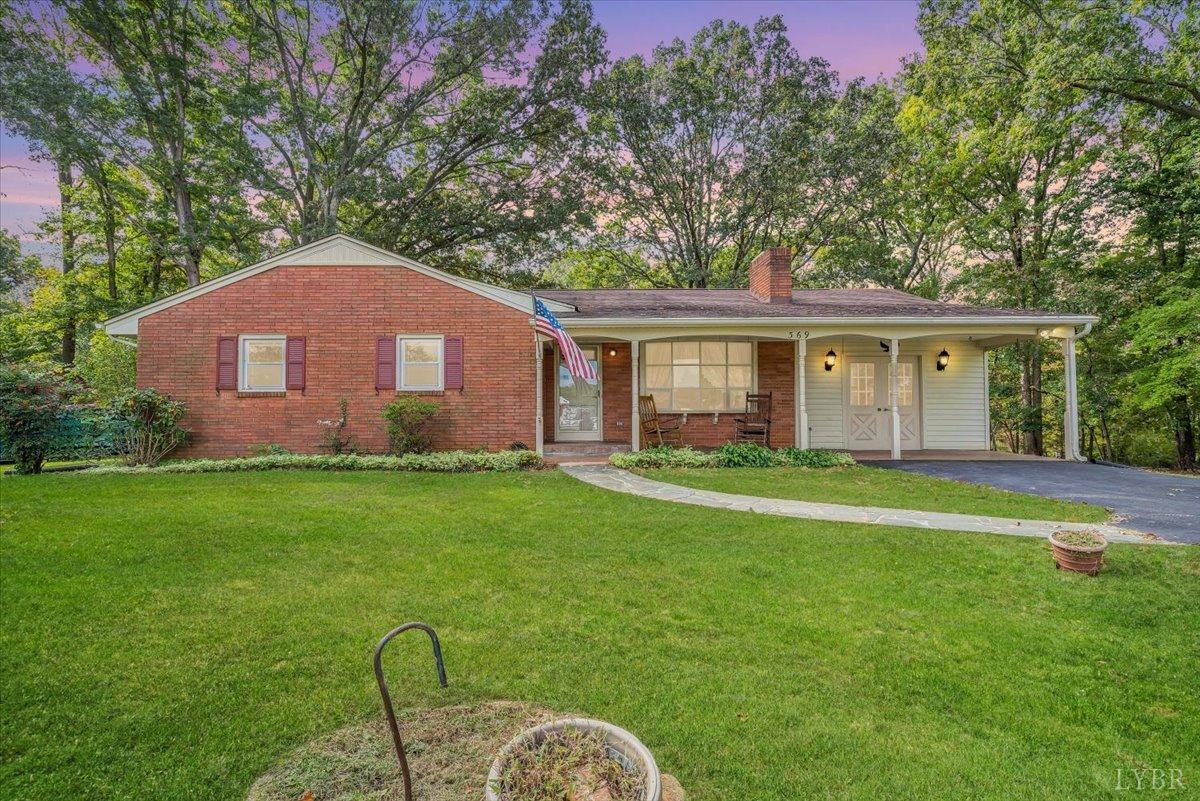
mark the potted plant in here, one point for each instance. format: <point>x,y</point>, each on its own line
<point>1079,550</point>
<point>576,758</point>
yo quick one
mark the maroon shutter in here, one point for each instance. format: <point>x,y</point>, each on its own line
<point>453,356</point>
<point>295,363</point>
<point>385,363</point>
<point>226,363</point>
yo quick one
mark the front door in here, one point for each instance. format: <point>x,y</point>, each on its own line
<point>579,402</point>
<point>869,422</point>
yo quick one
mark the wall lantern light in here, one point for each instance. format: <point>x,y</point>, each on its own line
<point>612,351</point>
<point>830,360</point>
<point>942,360</point>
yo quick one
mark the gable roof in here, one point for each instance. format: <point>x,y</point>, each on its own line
<point>609,305</point>
<point>339,250</point>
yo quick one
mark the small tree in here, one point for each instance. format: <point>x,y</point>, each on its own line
<point>407,417</point>
<point>29,409</point>
<point>148,425</point>
<point>333,432</point>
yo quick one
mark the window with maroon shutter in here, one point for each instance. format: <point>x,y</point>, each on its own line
<point>385,363</point>
<point>226,363</point>
<point>295,362</point>
<point>454,363</point>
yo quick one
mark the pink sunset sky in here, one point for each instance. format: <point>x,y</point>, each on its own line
<point>857,37</point>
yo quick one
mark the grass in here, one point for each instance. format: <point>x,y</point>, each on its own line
<point>175,636</point>
<point>877,486</point>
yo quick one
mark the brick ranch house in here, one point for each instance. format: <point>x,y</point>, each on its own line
<point>259,355</point>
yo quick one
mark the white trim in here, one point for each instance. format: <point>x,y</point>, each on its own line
<point>1057,320</point>
<point>800,393</point>
<point>243,356</point>
<point>584,436</point>
<point>635,380</point>
<point>343,251</point>
<point>539,438</point>
<point>441,363</point>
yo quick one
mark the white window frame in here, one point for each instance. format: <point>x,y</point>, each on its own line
<point>244,361</point>
<point>643,366</point>
<point>441,363</point>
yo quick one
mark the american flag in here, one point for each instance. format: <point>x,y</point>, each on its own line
<point>546,323</point>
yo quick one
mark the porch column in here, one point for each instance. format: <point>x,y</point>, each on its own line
<point>894,396</point>
<point>1071,402</point>
<point>538,439</point>
<point>635,418</point>
<point>800,392</point>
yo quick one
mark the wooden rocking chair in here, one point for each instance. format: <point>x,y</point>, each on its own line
<point>755,424</point>
<point>655,430</point>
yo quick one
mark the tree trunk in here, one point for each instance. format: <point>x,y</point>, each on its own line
<point>1185,434</point>
<point>1031,398</point>
<point>110,244</point>
<point>66,188</point>
<point>193,249</point>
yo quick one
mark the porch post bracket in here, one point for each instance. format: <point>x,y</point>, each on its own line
<point>894,395</point>
<point>635,421</point>
<point>800,393</point>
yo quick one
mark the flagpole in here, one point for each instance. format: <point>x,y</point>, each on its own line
<point>539,423</point>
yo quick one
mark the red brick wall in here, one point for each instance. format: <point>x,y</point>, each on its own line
<point>615,377</point>
<point>771,275</point>
<point>341,311</point>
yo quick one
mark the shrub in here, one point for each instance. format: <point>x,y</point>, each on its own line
<point>334,437</point>
<point>29,410</point>
<point>795,457</point>
<point>663,456</point>
<point>441,462</point>
<point>269,449</point>
<point>407,417</point>
<point>745,454</point>
<point>150,428</point>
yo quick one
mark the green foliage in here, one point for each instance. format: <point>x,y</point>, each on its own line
<point>797,457</point>
<point>744,454</point>
<point>30,405</point>
<point>662,456</point>
<point>269,449</point>
<point>407,416</point>
<point>108,367</point>
<point>151,427</point>
<point>439,462</point>
<point>740,454</point>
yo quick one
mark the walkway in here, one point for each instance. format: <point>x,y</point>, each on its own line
<point>617,480</point>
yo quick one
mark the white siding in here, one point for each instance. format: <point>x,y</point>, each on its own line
<point>953,402</point>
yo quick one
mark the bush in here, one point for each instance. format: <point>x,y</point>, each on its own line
<point>663,456</point>
<point>30,406</point>
<point>740,454</point>
<point>151,425</point>
<point>795,457</point>
<point>441,462</point>
<point>407,417</point>
<point>745,454</point>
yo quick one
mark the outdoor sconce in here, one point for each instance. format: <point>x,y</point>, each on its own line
<point>942,360</point>
<point>830,360</point>
<point>612,351</point>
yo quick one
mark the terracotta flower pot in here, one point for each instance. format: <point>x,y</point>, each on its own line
<point>1077,557</point>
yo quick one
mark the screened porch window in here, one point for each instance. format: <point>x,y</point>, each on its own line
<point>702,376</point>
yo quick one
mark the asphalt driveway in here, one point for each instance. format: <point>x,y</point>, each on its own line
<point>1158,503</point>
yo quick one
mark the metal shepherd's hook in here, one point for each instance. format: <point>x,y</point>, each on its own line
<point>387,698</point>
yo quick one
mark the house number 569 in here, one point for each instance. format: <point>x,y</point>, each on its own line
<point>797,335</point>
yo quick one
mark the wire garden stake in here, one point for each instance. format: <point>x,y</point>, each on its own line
<point>387,698</point>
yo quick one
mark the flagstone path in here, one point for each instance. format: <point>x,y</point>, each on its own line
<point>618,480</point>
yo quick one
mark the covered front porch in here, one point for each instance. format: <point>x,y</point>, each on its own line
<point>916,391</point>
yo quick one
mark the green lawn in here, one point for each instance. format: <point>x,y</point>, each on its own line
<point>876,486</point>
<point>172,637</point>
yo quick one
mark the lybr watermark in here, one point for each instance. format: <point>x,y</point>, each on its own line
<point>1150,779</point>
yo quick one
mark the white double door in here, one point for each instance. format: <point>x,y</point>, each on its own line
<point>868,418</point>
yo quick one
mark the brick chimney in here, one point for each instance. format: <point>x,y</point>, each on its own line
<point>771,276</point>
